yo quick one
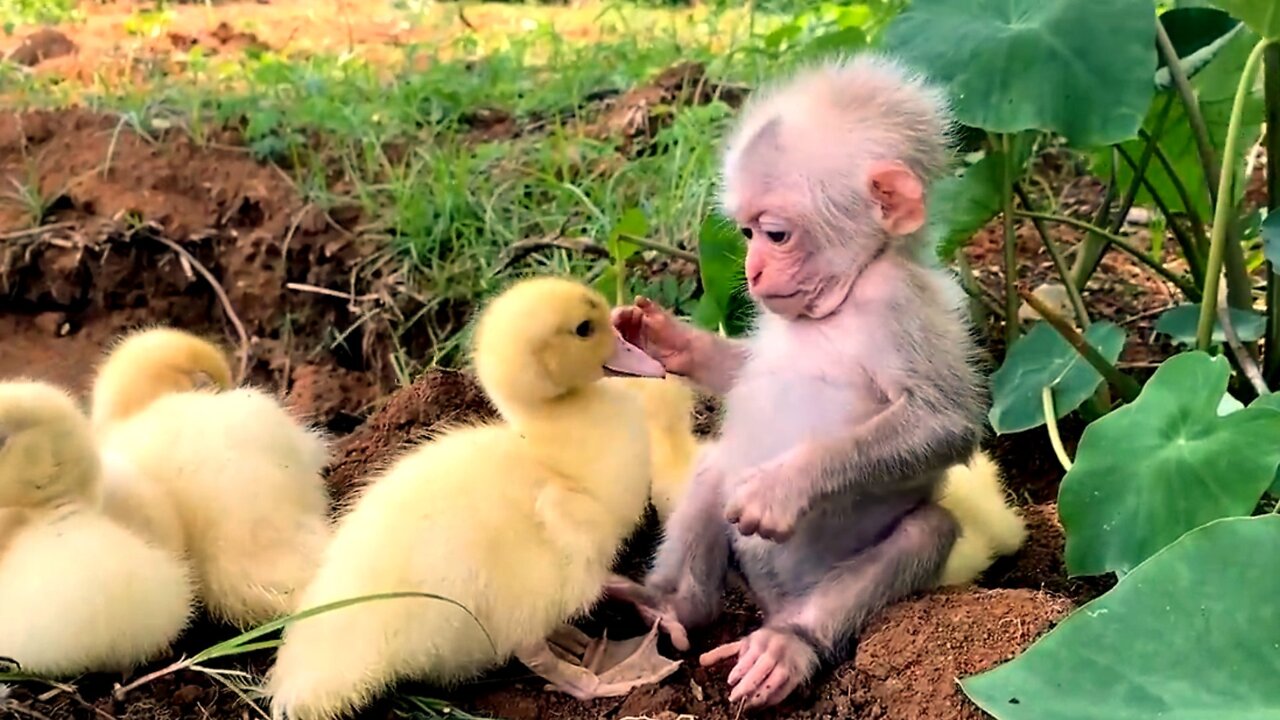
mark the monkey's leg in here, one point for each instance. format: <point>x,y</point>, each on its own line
<point>823,625</point>
<point>692,561</point>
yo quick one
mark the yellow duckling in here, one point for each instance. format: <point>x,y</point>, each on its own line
<point>989,525</point>
<point>78,592</point>
<point>668,407</point>
<point>518,521</point>
<point>227,474</point>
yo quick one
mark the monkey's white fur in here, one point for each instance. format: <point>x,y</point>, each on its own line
<point>78,592</point>
<point>242,478</point>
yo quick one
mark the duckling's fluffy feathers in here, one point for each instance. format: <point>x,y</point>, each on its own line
<point>989,525</point>
<point>244,479</point>
<point>79,593</point>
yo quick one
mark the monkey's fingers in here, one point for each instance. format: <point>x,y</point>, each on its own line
<point>720,654</point>
<point>780,683</point>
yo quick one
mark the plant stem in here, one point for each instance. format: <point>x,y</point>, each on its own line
<point>1094,246</point>
<point>1239,289</point>
<point>1223,207</point>
<point>1271,84</point>
<point>1051,424</point>
<point>1179,187</point>
<point>1191,249</point>
<point>1055,254</point>
<point>1125,385</point>
<point>1182,284</point>
<point>648,244</point>
<point>1011,327</point>
<point>1192,105</point>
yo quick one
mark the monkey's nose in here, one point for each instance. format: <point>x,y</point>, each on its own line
<point>755,278</point>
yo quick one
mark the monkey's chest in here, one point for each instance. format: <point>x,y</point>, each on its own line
<point>769,412</point>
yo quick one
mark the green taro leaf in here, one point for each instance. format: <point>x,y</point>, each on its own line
<point>633,223</point>
<point>1270,231</point>
<point>1215,86</point>
<point>1270,401</point>
<point>1198,35</point>
<point>1180,324</point>
<point>959,206</point>
<point>1081,68</point>
<point>1191,634</point>
<point>1152,470</point>
<point>721,255</point>
<point>1262,16</point>
<point>1043,359</point>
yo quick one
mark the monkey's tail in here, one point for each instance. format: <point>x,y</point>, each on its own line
<point>989,524</point>
<point>147,364</point>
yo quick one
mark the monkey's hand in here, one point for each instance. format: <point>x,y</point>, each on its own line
<point>764,502</point>
<point>771,665</point>
<point>659,334</point>
<point>652,606</point>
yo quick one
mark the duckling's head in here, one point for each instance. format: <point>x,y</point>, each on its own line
<point>547,337</point>
<point>46,447</point>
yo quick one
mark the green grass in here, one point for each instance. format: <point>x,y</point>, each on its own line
<point>445,204</point>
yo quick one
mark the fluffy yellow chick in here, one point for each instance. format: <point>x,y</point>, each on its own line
<point>231,470</point>
<point>78,592</point>
<point>518,521</point>
<point>668,407</point>
<point>989,524</point>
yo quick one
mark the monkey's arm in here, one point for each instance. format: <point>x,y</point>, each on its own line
<point>911,438</point>
<point>716,362</point>
<point>907,443</point>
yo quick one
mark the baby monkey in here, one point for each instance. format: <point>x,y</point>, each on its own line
<point>847,403</point>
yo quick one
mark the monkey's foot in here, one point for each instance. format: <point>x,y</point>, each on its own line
<point>652,609</point>
<point>606,668</point>
<point>771,665</point>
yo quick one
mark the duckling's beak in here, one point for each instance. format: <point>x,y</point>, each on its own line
<point>630,361</point>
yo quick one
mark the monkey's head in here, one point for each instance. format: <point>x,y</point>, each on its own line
<point>46,447</point>
<point>824,171</point>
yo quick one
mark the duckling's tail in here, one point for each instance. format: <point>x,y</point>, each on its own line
<point>150,363</point>
<point>989,525</point>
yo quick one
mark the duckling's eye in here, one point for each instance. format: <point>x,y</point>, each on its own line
<point>746,233</point>
<point>584,329</point>
<point>777,237</point>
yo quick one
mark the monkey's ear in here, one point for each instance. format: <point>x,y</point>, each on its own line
<point>900,195</point>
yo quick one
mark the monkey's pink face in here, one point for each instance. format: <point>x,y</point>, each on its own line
<point>784,273</point>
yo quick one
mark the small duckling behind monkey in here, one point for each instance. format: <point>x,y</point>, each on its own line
<point>78,592</point>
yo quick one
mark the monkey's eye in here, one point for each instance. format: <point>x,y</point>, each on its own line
<point>777,237</point>
<point>746,233</point>
<point>584,329</point>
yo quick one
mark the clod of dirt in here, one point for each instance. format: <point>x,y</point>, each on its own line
<point>634,118</point>
<point>43,44</point>
<point>436,400</point>
<point>1039,565</point>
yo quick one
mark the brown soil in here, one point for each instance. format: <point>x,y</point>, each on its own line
<point>102,257</point>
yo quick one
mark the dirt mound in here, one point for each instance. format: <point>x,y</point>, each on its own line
<point>434,401</point>
<point>106,228</point>
<point>43,44</point>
